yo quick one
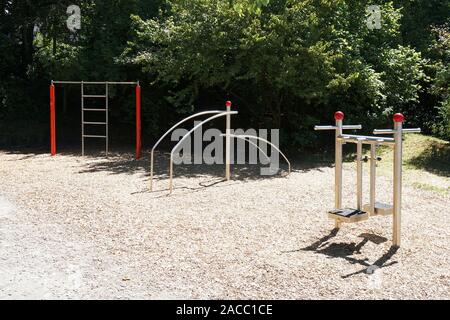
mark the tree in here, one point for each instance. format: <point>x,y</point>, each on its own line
<point>286,63</point>
<point>440,87</point>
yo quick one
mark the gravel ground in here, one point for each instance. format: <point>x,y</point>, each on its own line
<point>88,228</point>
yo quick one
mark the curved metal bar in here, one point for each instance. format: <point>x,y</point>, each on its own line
<point>183,121</point>
<point>170,130</point>
<point>242,136</point>
<point>254,144</point>
<point>221,114</point>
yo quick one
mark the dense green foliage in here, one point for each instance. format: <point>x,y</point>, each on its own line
<point>441,82</point>
<point>286,64</point>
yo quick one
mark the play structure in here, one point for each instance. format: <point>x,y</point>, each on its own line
<point>85,110</point>
<point>228,136</point>
<point>373,208</point>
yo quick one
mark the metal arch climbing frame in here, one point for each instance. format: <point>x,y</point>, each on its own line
<point>169,131</point>
<point>105,109</point>
<point>247,137</point>
<point>222,114</point>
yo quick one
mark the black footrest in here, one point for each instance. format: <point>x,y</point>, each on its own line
<point>348,215</point>
<point>347,212</point>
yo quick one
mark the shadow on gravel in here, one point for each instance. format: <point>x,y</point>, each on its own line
<point>124,163</point>
<point>25,153</point>
<point>165,192</point>
<point>347,250</point>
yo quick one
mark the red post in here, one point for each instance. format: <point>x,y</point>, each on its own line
<point>138,122</point>
<point>52,120</point>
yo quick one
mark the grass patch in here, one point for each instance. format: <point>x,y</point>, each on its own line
<point>419,152</point>
<point>430,154</point>
<point>421,155</point>
<point>429,187</point>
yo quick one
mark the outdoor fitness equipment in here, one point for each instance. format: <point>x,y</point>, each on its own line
<point>347,215</point>
<point>228,136</point>
<point>84,109</point>
<point>248,139</point>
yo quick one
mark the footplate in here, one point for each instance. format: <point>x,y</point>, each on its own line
<point>381,209</point>
<point>348,215</point>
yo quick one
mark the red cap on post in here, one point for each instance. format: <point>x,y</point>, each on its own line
<point>339,115</point>
<point>398,117</point>
<point>228,104</point>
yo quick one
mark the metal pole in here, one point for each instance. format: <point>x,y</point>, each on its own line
<point>228,142</point>
<point>98,82</point>
<point>107,118</point>
<point>398,126</point>
<point>52,120</point>
<point>138,122</point>
<point>339,117</point>
<point>66,82</point>
<point>359,176</point>
<point>82,119</point>
<point>373,162</point>
<point>151,170</point>
<point>171,174</point>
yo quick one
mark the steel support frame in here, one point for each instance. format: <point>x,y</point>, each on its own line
<point>53,148</point>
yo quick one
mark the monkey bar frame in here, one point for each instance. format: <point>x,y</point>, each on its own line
<point>83,110</point>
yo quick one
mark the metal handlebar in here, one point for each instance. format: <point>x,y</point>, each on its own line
<point>346,127</point>
<point>391,131</point>
<point>358,137</point>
